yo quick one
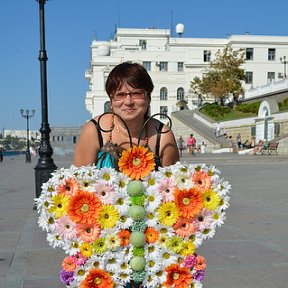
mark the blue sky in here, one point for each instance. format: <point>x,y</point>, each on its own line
<point>72,25</point>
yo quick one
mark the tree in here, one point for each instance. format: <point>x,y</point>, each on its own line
<point>224,77</point>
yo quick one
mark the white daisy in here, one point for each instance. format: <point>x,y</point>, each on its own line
<point>152,251</point>
<point>109,175</point>
<point>224,203</point>
<point>218,218</point>
<point>55,240</point>
<point>167,257</point>
<point>151,280</point>
<point>197,239</point>
<point>122,201</point>
<point>153,199</point>
<point>151,219</point>
<point>112,264</point>
<point>125,222</point>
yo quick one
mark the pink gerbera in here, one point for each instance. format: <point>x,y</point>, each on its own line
<point>65,227</point>
<point>202,180</point>
<point>105,192</point>
<point>69,264</point>
<point>166,188</point>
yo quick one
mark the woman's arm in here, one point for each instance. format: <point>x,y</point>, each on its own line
<point>169,152</point>
<point>87,146</point>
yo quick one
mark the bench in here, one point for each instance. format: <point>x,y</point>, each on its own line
<point>270,148</point>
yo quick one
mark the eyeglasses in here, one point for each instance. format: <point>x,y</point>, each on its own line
<point>135,95</point>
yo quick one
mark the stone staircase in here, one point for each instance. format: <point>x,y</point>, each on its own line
<point>184,123</point>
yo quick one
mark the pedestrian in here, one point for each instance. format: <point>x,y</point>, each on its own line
<point>180,145</point>
<point>203,147</point>
<point>1,154</point>
<point>191,143</point>
<point>239,142</point>
<point>218,129</point>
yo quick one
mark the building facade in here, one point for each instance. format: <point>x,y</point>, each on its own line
<point>173,62</point>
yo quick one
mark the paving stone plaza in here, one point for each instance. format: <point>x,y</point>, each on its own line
<point>249,251</point>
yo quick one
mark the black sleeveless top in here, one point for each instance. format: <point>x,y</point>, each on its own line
<point>108,155</point>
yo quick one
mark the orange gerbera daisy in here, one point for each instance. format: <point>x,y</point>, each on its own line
<point>88,232</point>
<point>97,278</point>
<point>200,263</point>
<point>177,277</point>
<point>184,227</point>
<point>124,237</point>
<point>84,207</point>
<point>151,235</point>
<point>202,180</point>
<point>71,187</point>
<point>136,162</point>
<point>189,202</point>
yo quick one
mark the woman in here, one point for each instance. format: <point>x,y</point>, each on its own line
<point>129,88</point>
<point>102,139</point>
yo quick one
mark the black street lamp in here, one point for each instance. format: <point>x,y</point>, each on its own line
<point>27,115</point>
<point>283,61</point>
<point>45,165</point>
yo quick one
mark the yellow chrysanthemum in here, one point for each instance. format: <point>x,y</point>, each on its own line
<point>188,248</point>
<point>211,199</point>
<point>100,246</point>
<point>86,249</point>
<point>168,213</point>
<point>108,216</point>
<point>60,204</point>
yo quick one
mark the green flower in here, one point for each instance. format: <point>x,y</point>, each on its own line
<point>138,251</point>
<point>137,200</point>
<point>100,246</point>
<point>175,244</point>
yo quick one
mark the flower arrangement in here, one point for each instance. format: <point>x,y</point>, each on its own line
<point>138,224</point>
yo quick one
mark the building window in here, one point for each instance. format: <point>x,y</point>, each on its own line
<point>249,53</point>
<point>143,44</point>
<point>163,93</point>
<point>147,65</point>
<point>163,66</point>
<point>249,77</point>
<point>271,54</point>
<point>277,129</point>
<point>180,66</point>
<point>180,93</point>
<point>74,139</point>
<point>270,77</point>
<point>207,56</point>
<point>164,111</point>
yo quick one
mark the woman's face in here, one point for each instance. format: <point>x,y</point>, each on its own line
<point>130,103</point>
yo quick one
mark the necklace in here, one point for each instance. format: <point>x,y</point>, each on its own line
<point>118,131</point>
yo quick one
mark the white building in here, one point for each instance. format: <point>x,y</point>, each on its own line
<point>173,62</point>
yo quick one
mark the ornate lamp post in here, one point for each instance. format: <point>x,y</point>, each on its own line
<point>45,165</point>
<point>283,61</point>
<point>27,115</point>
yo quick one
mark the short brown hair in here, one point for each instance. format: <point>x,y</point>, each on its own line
<point>133,74</point>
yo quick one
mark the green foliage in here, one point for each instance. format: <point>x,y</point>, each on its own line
<point>248,108</point>
<point>223,78</point>
<point>283,106</point>
<point>225,113</point>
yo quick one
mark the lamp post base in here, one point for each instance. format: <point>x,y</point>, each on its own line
<point>28,156</point>
<point>43,171</point>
